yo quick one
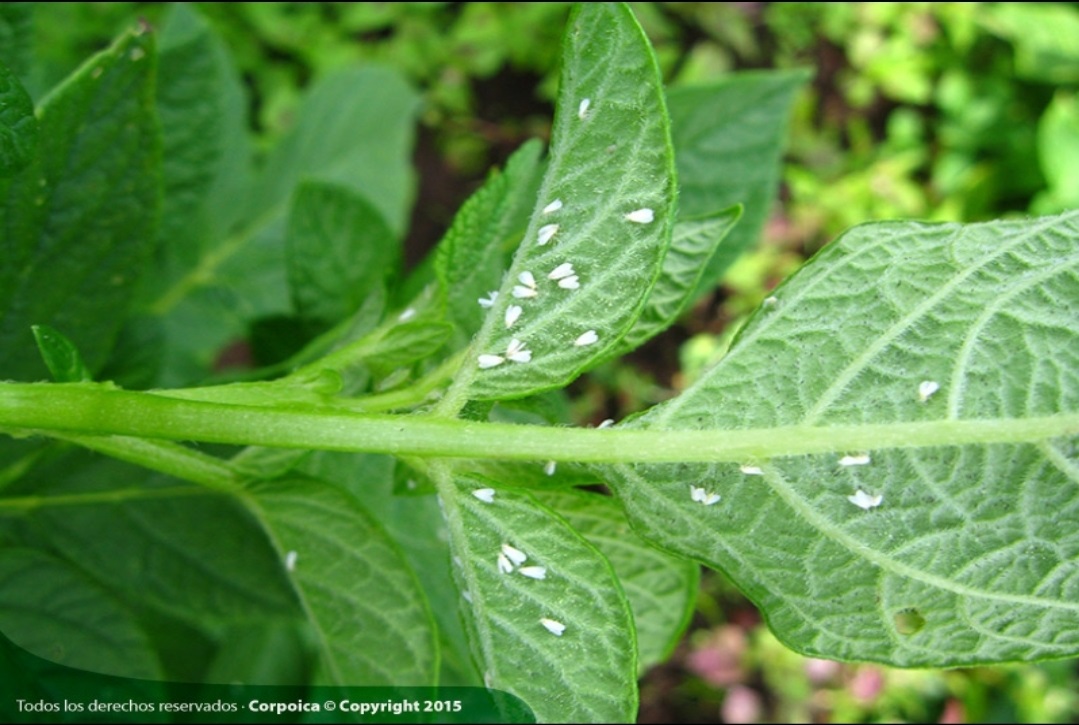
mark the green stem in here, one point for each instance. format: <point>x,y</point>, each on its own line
<point>407,397</point>
<point>96,410</point>
<point>24,504</point>
<point>164,456</point>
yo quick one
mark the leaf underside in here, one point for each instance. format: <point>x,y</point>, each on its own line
<point>606,207</point>
<point>972,555</point>
<point>585,673</point>
<point>556,629</point>
<point>661,588</point>
<point>371,620</point>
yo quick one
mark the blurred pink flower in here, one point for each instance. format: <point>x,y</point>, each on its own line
<point>867,684</point>
<point>953,714</point>
<point>821,672</point>
<point>719,660</point>
<point>742,704</point>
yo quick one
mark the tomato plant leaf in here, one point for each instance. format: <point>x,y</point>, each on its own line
<point>885,459</point>
<point>354,128</point>
<point>601,225</point>
<point>406,343</point>
<point>174,548</point>
<point>661,589</point>
<point>18,124</point>
<point>207,179</point>
<point>60,356</point>
<point>371,619</point>
<point>728,139</point>
<point>52,610</point>
<point>417,526</point>
<point>471,258</point>
<point>207,160</point>
<point>339,250</point>
<point>938,554</point>
<point>547,618</point>
<point>79,220</point>
<point>16,35</point>
<point>693,244</point>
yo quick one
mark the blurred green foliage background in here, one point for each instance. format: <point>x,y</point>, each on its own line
<point>939,111</point>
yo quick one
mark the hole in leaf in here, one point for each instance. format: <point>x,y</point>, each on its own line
<point>909,621</point>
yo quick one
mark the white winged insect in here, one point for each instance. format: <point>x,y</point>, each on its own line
<point>546,234</point>
<point>553,626</point>
<point>641,216</point>
<point>864,501</point>
<point>515,555</point>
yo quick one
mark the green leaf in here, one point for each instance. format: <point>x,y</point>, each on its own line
<point>416,524</point>
<point>178,549</point>
<point>661,589</point>
<point>587,673</point>
<point>471,258</point>
<point>369,613</point>
<point>693,244</point>
<point>52,610</point>
<point>206,165</point>
<point>406,343</point>
<point>60,355</point>
<point>78,223</point>
<point>355,128</point>
<point>970,555</point>
<point>728,139</point>
<point>267,653</point>
<point>397,343</point>
<point>207,180</point>
<point>1058,154</point>
<point>1043,36</point>
<point>339,250</point>
<point>18,125</point>
<point>332,350</point>
<point>606,207</point>
<point>16,36</point>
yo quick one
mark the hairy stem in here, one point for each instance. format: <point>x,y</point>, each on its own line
<point>98,410</point>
